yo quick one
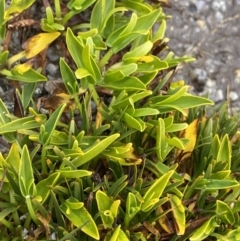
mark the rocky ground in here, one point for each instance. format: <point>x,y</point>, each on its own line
<point>208,30</point>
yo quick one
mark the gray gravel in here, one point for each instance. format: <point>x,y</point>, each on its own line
<point>208,30</point>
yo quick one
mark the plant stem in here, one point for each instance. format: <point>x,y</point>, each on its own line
<point>15,58</point>
<point>105,58</point>
<point>27,221</point>
<point>6,72</point>
<point>15,213</point>
<point>43,161</point>
<point>31,210</point>
<point>71,132</point>
<point>69,15</point>
<point>76,98</point>
<point>81,26</point>
<point>7,224</point>
<point>58,9</point>
<point>94,94</point>
<point>97,55</point>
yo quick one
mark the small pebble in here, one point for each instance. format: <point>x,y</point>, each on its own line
<point>210,65</point>
<point>53,236</point>
<point>51,85</point>
<point>201,24</point>
<point>53,53</point>
<point>23,217</point>
<point>52,69</point>
<point>192,8</point>
<point>233,96</point>
<point>200,75</point>
<point>219,5</point>
<point>219,96</point>
<point>210,83</point>
<point>25,233</point>
<point>237,76</point>
<point>219,17</point>
<point>200,5</point>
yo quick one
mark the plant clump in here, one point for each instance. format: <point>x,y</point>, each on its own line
<point>147,163</point>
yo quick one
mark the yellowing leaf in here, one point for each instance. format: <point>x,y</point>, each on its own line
<point>56,100</point>
<point>164,221</point>
<point>178,214</point>
<point>16,7</point>
<point>39,42</point>
<point>178,83</point>
<point>191,134</point>
<point>13,157</point>
<point>22,68</point>
<point>144,59</point>
<point>124,154</point>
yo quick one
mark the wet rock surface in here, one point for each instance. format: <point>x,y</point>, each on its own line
<point>208,30</point>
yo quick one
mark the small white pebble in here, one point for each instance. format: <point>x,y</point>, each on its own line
<point>219,95</point>
<point>54,236</point>
<point>219,16</point>
<point>233,96</point>
<point>200,5</point>
<point>23,217</point>
<point>210,83</point>
<point>38,91</point>
<point>201,24</point>
<point>25,233</point>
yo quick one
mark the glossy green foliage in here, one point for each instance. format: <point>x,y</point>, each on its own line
<point>155,191</point>
<point>205,230</point>
<point>79,216</point>
<point>108,208</point>
<point>16,7</point>
<point>2,21</point>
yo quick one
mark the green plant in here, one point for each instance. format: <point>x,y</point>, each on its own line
<point>213,169</point>
<point>143,166</point>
